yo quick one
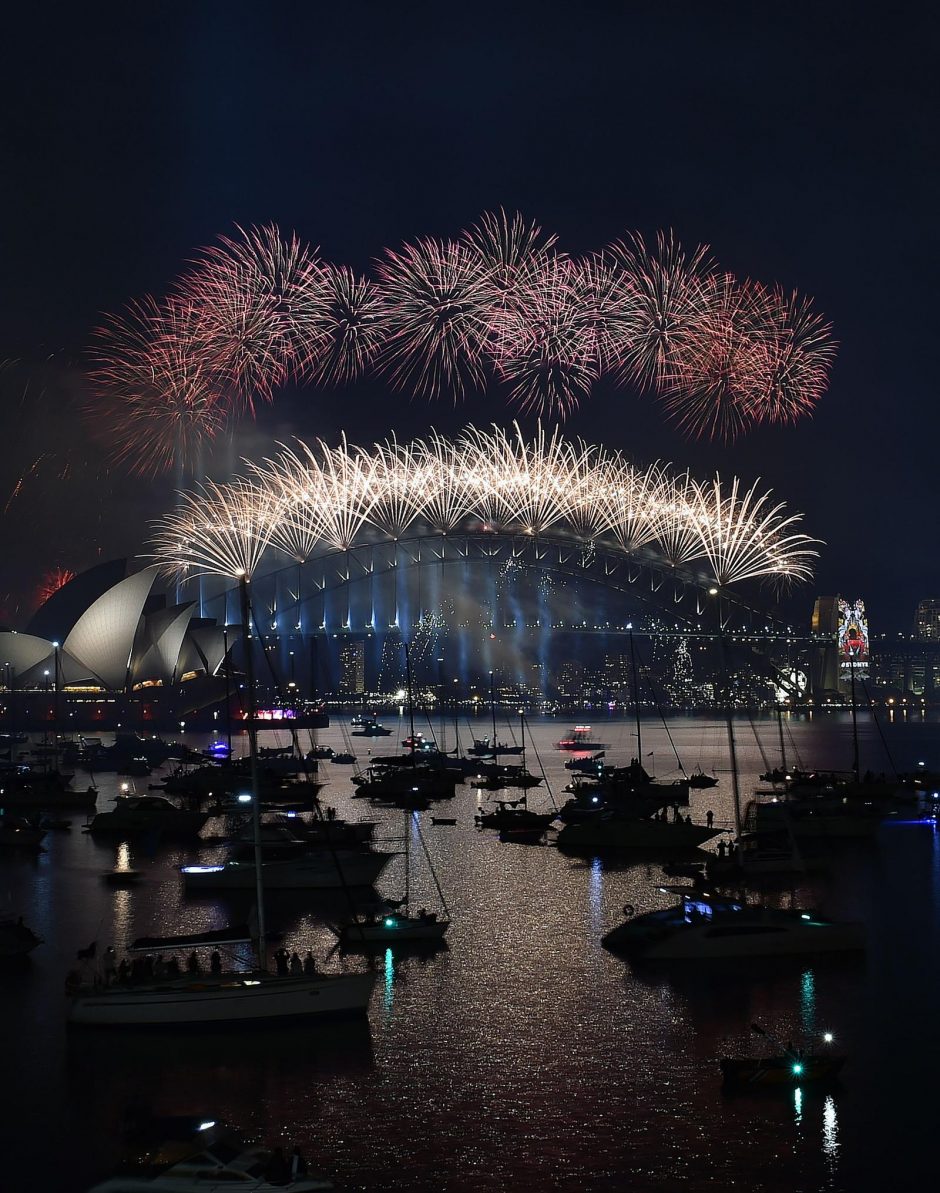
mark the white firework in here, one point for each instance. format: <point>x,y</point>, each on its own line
<point>312,500</point>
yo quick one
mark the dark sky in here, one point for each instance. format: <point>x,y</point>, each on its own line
<point>799,141</point>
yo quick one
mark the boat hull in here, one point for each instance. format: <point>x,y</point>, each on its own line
<point>779,1071</point>
<point>232,999</point>
<point>379,935</point>
<point>309,873</point>
<point>633,834</point>
<point>704,943</point>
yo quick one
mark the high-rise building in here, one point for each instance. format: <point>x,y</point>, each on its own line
<point>570,678</point>
<point>617,674</point>
<point>352,668</point>
<point>927,620</point>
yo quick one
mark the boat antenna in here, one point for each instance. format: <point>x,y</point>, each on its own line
<point>877,720</point>
<point>636,698</point>
<point>253,764</point>
<point>538,759</point>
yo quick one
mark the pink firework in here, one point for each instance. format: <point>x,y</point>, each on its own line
<point>510,253</point>
<point>716,373</point>
<point>436,298</point>
<point>798,354</point>
<point>263,299</point>
<point>544,344</point>
<point>157,396</point>
<point>609,307</point>
<point>352,329</point>
<point>667,290</point>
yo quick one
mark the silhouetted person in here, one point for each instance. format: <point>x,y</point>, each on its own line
<point>123,971</point>
<point>282,961</point>
<point>277,1171</point>
<point>173,967</point>
<point>310,966</point>
<point>298,1165</point>
<point>192,963</point>
<point>215,963</point>
<point>709,819</point>
<point>296,965</point>
<point>331,813</point>
<point>721,850</point>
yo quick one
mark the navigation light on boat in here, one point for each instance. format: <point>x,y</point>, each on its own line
<point>244,799</point>
<point>202,869</point>
<point>827,1037</point>
<point>797,1069</point>
<point>291,815</point>
<point>389,923</point>
<point>804,916</point>
<point>251,982</point>
<point>206,1125</point>
<point>593,799</point>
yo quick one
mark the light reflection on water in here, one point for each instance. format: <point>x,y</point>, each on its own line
<point>524,1054</point>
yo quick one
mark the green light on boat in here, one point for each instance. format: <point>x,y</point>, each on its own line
<point>389,923</point>
<point>797,1069</point>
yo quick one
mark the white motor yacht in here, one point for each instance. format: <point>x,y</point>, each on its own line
<point>705,926</point>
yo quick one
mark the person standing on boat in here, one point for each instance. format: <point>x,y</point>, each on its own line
<point>310,966</point>
<point>282,961</point>
<point>709,818</point>
<point>296,965</point>
<point>215,963</point>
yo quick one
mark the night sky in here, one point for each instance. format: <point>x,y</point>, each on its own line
<point>798,142</point>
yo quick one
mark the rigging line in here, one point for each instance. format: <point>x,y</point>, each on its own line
<point>538,759</point>
<point>875,718</point>
<point>645,673</point>
<point>424,846</point>
<point>760,745</point>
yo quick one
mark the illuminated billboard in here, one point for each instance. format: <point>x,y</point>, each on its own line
<point>853,639</point>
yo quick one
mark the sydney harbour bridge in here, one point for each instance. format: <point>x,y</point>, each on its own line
<point>493,551</point>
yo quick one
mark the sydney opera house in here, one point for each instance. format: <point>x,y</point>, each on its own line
<point>107,645</point>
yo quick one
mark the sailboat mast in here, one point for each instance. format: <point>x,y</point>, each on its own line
<point>493,712</point>
<point>855,765</point>
<point>636,700</point>
<point>253,764</point>
<point>411,703</point>
<point>522,734</point>
<point>783,749</point>
<point>408,819</point>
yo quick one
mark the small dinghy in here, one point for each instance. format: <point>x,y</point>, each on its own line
<point>122,877</point>
<point>789,1067</point>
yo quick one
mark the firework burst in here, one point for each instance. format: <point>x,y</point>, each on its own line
<point>317,499</point>
<point>436,293</point>
<point>157,399</point>
<point>51,582</point>
<point>263,300</point>
<point>544,344</point>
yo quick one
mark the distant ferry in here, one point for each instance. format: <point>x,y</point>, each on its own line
<point>580,738</point>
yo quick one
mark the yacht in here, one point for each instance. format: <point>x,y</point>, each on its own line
<point>580,739</point>
<point>611,830</point>
<point>320,870</point>
<point>148,814</point>
<point>16,832</point>
<point>704,926</point>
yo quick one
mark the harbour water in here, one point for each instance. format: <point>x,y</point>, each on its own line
<point>524,1055</point>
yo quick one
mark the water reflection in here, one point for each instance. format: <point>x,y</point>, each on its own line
<point>798,1106</point>
<point>830,1132</point>
<point>388,989</point>
<point>808,1002</point>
